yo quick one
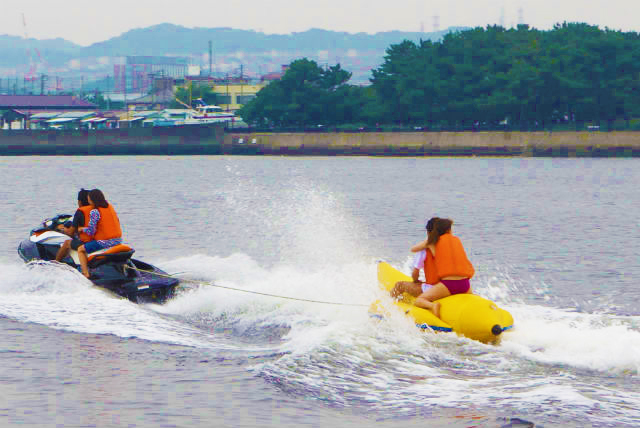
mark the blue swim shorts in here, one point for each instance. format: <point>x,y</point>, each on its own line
<point>92,246</point>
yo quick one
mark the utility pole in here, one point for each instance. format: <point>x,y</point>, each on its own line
<point>241,84</point>
<point>125,94</point>
<point>43,79</point>
<point>210,58</point>
<point>108,93</point>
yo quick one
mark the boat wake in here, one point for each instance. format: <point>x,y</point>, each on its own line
<point>278,305</point>
<point>59,297</point>
<point>339,353</point>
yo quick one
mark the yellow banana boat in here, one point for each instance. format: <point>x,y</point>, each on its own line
<point>468,315</point>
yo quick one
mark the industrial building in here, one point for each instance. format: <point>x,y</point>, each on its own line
<point>138,72</point>
<point>231,93</point>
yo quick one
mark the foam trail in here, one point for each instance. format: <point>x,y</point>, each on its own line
<point>545,335</point>
<point>585,341</point>
<point>340,352</point>
<point>61,298</point>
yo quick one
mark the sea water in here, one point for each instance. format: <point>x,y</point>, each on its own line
<point>554,241</point>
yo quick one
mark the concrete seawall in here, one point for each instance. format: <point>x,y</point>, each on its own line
<point>560,144</point>
<point>170,140</point>
<point>211,140</point>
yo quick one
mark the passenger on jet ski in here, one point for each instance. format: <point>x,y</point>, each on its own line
<point>70,228</point>
<point>104,228</point>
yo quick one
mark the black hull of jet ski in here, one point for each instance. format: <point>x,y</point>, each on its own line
<point>136,280</point>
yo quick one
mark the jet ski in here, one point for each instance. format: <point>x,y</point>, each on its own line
<point>111,268</point>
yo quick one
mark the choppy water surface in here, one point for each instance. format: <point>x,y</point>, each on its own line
<point>554,241</point>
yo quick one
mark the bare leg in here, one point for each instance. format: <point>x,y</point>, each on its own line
<point>64,250</point>
<point>426,299</point>
<point>413,288</point>
<point>426,304</point>
<point>84,261</point>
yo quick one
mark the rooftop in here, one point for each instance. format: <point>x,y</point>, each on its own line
<point>44,101</point>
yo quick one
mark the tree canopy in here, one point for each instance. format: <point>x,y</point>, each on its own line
<point>305,94</point>
<point>521,76</point>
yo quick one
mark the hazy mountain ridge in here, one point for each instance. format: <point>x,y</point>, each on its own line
<point>235,52</point>
<point>15,50</point>
<point>169,39</point>
<point>166,39</point>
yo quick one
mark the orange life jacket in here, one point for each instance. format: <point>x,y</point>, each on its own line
<point>85,211</point>
<point>450,260</point>
<point>108,226</point>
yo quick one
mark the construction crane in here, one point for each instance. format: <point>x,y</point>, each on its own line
<point>31,74</point>
<point>186,105</point>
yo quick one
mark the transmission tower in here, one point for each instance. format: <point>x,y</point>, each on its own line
<point>520,16</point>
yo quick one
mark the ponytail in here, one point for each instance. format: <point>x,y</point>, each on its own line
<point>436,227</point>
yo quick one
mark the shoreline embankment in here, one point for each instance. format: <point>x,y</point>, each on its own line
<point>524,144</point>
<point>164,140</point>
<point>212,140</point>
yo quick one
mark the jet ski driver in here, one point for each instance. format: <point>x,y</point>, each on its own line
<point>70,227</point>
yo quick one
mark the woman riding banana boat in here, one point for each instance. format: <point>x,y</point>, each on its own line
<point>444,300</point>
<point>447,269</point>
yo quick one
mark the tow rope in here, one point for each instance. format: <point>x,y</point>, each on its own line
<point>246,291</point>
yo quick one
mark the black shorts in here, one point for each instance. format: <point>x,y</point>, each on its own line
<point>76,243</point>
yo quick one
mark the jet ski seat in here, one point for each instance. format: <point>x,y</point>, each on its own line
<point>118,253</point>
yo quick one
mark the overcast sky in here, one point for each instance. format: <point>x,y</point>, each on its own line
<point>88,21</point>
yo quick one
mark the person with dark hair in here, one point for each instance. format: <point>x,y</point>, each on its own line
<point>447,269</point>
<point>70,228</point>
<point>103,227</point>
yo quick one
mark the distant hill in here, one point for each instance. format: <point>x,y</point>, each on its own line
<point>169,39</point>
<point>256,51</point>
<point>16,50</point>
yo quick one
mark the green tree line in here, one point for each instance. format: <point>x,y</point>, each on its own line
<point>520,77</point>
